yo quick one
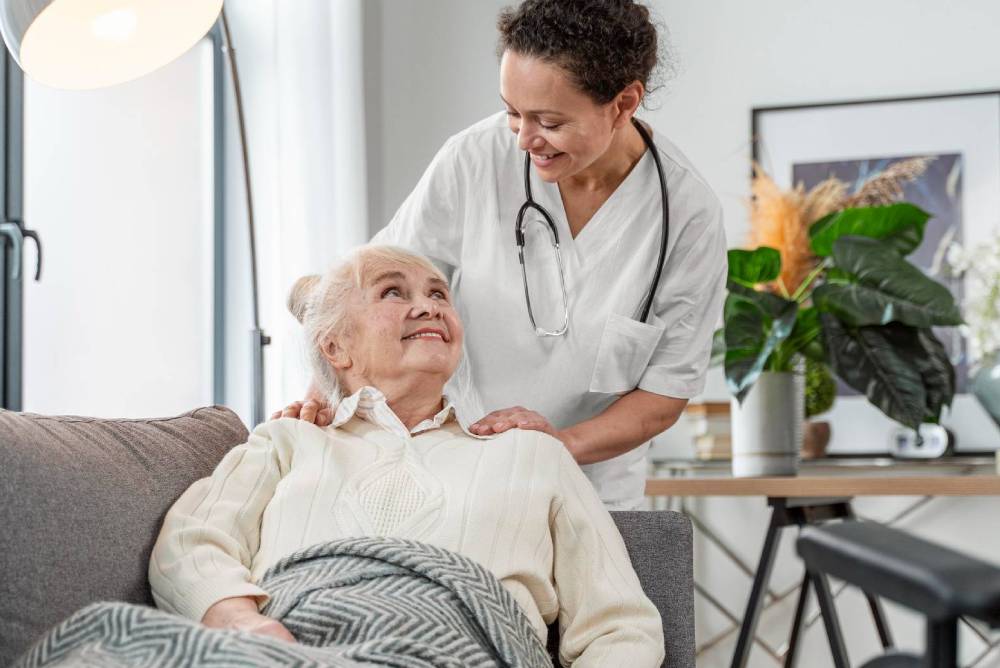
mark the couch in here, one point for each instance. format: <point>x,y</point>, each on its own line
<point>82,499</point>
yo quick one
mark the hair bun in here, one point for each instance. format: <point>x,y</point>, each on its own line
<point>301,294</point>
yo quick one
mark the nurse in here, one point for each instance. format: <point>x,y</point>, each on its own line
<point>573,74</point>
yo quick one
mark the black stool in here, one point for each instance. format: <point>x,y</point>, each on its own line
<point>940,583</point>
<point>798,512</point>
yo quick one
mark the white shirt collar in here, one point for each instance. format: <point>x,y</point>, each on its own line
<point>370,404</point>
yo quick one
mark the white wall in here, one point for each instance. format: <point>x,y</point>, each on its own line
<point>431,71</point>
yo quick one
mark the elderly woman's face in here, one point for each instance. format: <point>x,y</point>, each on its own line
<point>402,322</point>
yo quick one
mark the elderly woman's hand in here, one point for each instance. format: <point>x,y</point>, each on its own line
<point>240,613</point>
<point>517,417</point>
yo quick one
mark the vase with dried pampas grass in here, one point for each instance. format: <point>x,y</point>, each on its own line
<point>828,281</point>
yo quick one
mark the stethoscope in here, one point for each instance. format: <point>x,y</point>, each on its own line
<point>532,204</point>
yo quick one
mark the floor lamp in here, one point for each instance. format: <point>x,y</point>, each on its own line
<point>86,44</point>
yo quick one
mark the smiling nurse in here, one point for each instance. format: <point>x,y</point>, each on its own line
<point>590,363</point>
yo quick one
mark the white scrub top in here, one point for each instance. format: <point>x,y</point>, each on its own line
<point>461,214</point>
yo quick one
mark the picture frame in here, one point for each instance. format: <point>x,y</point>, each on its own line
<point>960,135</point>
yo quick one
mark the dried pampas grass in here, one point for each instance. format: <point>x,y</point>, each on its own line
<point>777,220</point>
<point>781,219</point>
<point>886,187</point>
<point>825,198</point>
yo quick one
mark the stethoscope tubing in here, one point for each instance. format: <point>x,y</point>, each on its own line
<point>661,255</point>
<point>665,204</point>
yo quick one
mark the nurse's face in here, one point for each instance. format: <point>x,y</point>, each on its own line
<point>402,329</point>
<point>559,125</point>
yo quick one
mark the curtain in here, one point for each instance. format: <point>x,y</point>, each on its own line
<point>302,77</point>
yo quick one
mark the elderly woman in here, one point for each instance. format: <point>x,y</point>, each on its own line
<point>395,462</point>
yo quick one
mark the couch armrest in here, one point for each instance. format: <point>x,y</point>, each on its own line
<point>82,502</point>
<point>660,545</point>
<point>926,577</point>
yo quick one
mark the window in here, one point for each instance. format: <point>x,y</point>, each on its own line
<point>121,184</point>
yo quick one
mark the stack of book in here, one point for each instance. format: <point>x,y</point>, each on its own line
<point>711,425</point>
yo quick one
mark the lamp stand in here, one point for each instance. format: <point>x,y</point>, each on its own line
<point>258,339</point>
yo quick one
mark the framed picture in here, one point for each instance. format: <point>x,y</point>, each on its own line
<point>958,136</point>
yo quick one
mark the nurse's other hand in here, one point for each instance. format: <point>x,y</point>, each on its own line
<point>311,410</point>
<point>517,417</point>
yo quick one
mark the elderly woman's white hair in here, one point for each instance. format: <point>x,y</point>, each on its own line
<point>320,304</point>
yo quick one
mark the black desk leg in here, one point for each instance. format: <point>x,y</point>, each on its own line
<point>830,620</point>
<point>878,613</point>
<point>800,610</point>
<point>757,593</point>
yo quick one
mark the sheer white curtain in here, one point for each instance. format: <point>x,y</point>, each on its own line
<point>302,74</point>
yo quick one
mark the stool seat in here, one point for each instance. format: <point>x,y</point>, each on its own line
<point>931,579</point>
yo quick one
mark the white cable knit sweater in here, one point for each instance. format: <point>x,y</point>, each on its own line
<point>518,504</point>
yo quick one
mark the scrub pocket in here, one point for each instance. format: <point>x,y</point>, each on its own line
<point>626,347</point>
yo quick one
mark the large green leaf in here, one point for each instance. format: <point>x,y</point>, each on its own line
<point>938,373</point>
<point>772,304</point>
<point>868,359</point>
<point>888,289</point>
<point>751,335</point>
<point>718,347</point>
<point>750,267</point>
<point>806,337</point>
<point>930,358</point>
<point>838,275</point>
<point>900,225</point>
<point>745,338</point>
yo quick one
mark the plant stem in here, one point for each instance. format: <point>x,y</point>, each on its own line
<point>781,286</point>
<point>798,296</point>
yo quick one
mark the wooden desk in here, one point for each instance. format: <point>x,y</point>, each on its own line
<point>821,492</point>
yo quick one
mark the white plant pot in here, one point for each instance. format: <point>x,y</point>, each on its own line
<point>767,427</point>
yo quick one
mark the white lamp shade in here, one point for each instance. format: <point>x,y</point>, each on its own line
<point>81,44</point>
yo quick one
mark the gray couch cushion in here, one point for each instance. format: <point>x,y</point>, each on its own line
<point>81,502</point>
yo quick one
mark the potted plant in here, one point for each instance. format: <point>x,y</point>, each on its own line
<point>820,391</point>
<point>862,309</point>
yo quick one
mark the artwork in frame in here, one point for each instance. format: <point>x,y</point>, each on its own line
<point>959,135</point>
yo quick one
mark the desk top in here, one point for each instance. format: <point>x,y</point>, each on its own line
<point>841,465</point>
<point>829,486</point>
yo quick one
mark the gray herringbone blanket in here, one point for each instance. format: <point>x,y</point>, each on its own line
<point>354,602</point>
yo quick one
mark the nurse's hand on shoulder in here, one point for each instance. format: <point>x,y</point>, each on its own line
<point>517,417</point>
<point>311,410</point>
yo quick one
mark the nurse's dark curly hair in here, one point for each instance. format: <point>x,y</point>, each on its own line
<point>604,45</point>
